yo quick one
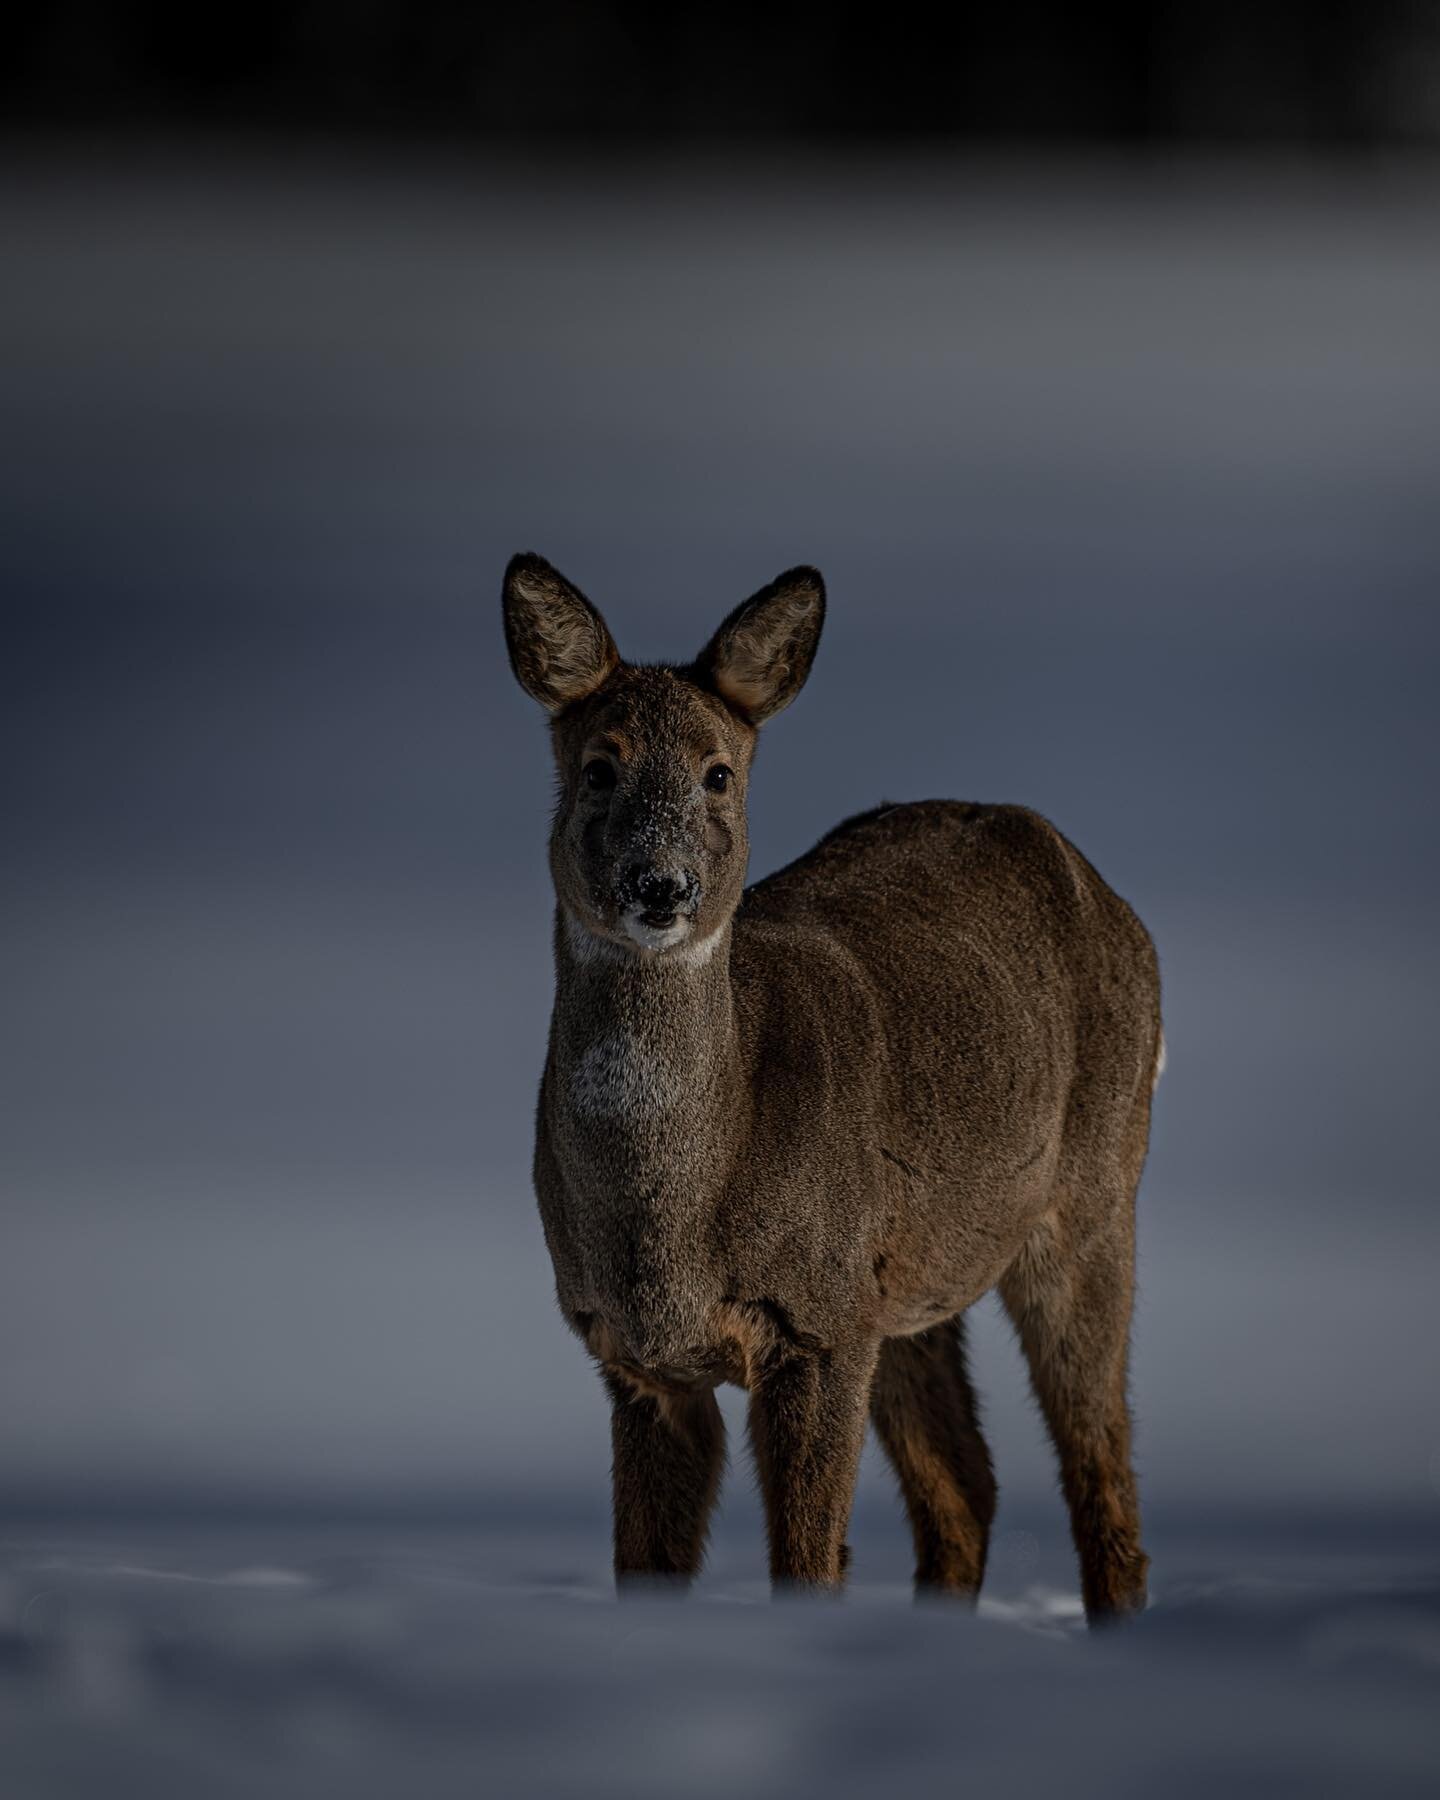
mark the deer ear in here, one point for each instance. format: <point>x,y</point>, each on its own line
<point>758,660</point>
<point>560,648</point>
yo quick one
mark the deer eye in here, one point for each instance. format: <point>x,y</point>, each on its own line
<point>599,775</point>
<point>718,778</point>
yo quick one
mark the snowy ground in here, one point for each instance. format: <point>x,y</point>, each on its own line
<point>383,1661</point>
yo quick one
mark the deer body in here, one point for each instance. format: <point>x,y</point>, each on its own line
<point>786,1135</point>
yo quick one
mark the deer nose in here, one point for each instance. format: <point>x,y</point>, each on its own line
<point>660,892</point>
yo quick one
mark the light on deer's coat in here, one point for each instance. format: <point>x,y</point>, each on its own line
<point>787,1135</point>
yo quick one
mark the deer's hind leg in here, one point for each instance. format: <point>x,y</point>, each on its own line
<point>924,1413</point>
<point>1071,1304</point>
<point>669,1455</point>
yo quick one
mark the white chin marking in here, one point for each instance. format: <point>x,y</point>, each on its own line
<point>677,942</point>
<point>650,937</point>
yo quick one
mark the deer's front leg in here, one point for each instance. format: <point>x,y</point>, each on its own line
<point>807,1426</point>
<point>669,1453</point>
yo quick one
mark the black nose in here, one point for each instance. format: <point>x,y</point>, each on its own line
<point>658,891</point>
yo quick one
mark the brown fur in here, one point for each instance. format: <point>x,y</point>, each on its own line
<point>786,1139</point>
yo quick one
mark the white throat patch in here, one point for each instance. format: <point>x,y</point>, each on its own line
<point>620,1077</point>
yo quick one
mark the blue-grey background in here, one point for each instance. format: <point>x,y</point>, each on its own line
<point>1124,481</point>
<point>1093,354</point>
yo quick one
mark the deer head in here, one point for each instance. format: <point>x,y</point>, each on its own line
<point>648,846</point>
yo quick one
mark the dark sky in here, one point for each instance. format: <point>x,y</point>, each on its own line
<point>1124,482</point>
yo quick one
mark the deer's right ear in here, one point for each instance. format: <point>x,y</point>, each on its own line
<point>560,648</point>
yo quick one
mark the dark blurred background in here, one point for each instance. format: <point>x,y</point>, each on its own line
<point>1094,354</point>
<point>575,71</point>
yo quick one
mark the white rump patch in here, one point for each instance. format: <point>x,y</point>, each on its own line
<point>1159,1064</point>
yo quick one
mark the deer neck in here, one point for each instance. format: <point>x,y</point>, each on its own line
<point>645,1054</point>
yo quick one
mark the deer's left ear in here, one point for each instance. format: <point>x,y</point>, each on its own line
<point>758,660</point>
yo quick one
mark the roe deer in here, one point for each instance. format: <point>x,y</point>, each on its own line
<point>788,1134</point>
